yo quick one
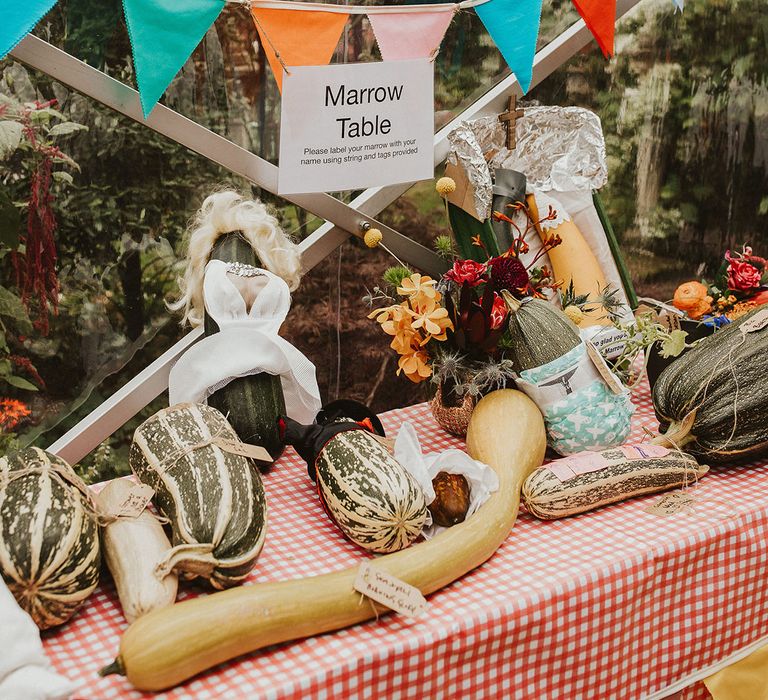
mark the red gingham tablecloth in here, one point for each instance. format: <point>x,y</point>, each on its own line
<point>616,603</point>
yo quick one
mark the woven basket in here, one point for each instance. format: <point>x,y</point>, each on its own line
<point>453,419</point>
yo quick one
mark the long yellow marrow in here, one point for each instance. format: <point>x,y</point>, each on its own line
<point>166,647</point>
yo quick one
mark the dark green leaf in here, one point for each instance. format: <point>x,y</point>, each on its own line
<point>10,221</point>
<point>20,383</point>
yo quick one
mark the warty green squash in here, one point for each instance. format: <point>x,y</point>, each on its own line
<point>49,536</point>
<point>713,401</point>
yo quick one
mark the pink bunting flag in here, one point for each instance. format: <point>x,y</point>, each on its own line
<point>408,35</point>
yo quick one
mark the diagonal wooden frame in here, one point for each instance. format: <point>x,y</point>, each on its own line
<point>342,220</point>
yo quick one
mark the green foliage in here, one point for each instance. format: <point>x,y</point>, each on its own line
<point>394,276</point>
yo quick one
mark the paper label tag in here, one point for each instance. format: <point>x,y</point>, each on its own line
<point>389,590</point>
<point>581,463</point>
<point>605,372</point>
<point>136,501</point>
<point>670,321</point>
<point>244,450</point>
<point>756,323</point>
<point>644,451</point>
<point>671,503</point>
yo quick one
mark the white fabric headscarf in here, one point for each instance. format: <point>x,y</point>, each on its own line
<point>247,343</point>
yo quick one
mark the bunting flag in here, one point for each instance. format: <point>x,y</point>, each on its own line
<point>19,18</point>
<point>514,27</point>
<point>410,35</point>
<point>163,34</point>
<point>302,38</point>
<point>600,18</point>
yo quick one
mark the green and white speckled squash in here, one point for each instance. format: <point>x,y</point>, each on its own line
<point>214,499</point>
<point>49,538</point>
<point>548,495</point>
<point>372,498</point>
<point>713,401</point>
<point>539,333</point>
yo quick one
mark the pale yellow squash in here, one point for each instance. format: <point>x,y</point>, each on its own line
<point>169,646</point>
<point>573,260</point>
<point>132,549</point>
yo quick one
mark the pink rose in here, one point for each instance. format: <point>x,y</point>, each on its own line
<point>742,275</point>
<point>467,272</point>
<point>498,312</point>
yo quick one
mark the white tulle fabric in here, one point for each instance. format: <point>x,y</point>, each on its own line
<point>247,343</point>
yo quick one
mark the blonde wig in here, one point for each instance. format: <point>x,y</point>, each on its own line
<point>225,212</point>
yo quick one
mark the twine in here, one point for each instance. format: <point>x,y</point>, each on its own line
<point>66,478</point>
<point>271,45</point>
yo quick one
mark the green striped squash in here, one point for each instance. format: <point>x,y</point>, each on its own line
<point>713,399</point>
<point>372,498</point>
<point>252,404</point>
<point>554,491</point>
<point>539,333</point>
<point>213,499</point>
<point>49,538</point>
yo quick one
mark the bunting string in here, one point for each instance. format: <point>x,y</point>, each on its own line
<point>164,33</point>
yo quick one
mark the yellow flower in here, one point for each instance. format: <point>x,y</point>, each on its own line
<point>574,313</point>
<point>415,366</point>
<point>445,186</point>
<point>388,313</point>
<point>372,237</point>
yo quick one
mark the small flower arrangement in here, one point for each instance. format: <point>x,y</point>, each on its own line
<point>452,330</point>
<point>739,286</point>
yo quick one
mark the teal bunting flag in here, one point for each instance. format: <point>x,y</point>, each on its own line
<point>17,19</point>
<point>514,27</point>
<point>164,33</point>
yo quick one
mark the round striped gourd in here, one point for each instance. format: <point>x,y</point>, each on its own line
<point>539,333</point>
<point>252,404</point>
<point>49,538</point>
<point>213,499</point>
<point>713,400</point>
<point>372,498</point>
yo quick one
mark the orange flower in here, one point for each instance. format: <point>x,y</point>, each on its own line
<point>420,290</point>
<point>415,366</point>
<point>433,319</point>
<point>12,412</point>
<point>693,298</point>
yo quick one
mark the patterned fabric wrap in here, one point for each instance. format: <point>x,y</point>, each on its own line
<point>580,410</point>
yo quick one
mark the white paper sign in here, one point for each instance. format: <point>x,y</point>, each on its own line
<point>351,126</point>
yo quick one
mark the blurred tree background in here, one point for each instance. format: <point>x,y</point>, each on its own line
<point>684,107</point>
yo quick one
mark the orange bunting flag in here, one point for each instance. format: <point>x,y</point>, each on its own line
<point>600,18</point>
<point>302,38</point>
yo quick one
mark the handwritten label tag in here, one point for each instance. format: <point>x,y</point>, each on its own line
<point>244,449</point>
<point>644,451</point>
<point>669,320</point>
<point>671,503</point>
<point>581,463</point>
<point>605,372</point>
<point>389,590</point>
<point>136,501</point>
<point>756,323</point>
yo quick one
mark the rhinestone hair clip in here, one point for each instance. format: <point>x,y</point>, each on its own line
<point>243,270</point>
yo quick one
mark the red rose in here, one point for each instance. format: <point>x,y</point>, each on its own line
<point>742,276</point>
<point>498,312</point>
<point>467,271</point>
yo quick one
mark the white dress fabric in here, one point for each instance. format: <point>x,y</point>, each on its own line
<point>25,672</point>
<point>247,343</point>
